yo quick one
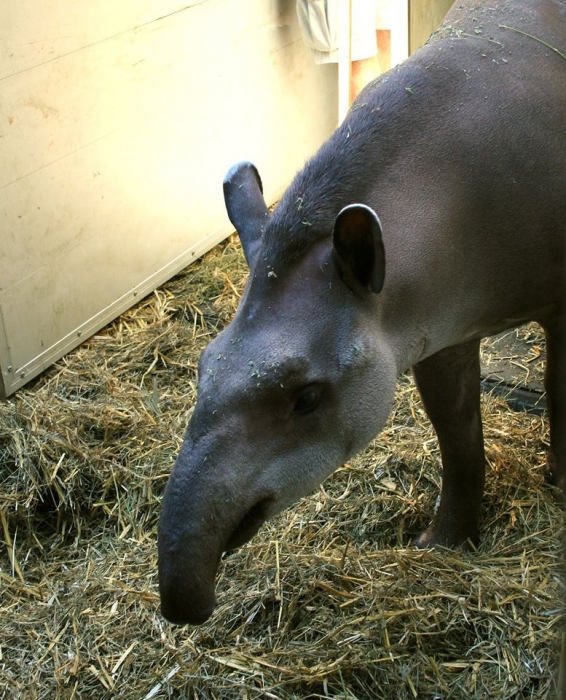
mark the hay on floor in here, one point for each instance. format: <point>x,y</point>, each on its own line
<point>328,601</point>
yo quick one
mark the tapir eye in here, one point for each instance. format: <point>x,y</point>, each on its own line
<point>308,400</point>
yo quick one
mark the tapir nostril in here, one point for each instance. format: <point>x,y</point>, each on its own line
<point>249,524</point>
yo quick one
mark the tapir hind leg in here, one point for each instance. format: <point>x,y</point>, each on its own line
<point>555,385</point>
<point>449,383</point>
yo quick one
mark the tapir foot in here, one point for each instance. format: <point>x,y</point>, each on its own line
<point>552,473</point>
<point>549,469</point>
<point>434,537</point>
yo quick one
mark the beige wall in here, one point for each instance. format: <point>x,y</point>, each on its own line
<point>424,18</point>
<point>118,121</point>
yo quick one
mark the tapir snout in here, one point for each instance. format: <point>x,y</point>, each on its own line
<point>205,517</point>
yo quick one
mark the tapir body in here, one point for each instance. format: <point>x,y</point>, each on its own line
<point>434,216</point>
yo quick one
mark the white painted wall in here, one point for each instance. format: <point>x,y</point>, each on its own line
<point>118,121</point>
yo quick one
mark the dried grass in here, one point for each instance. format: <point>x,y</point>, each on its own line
<point>326,602</point>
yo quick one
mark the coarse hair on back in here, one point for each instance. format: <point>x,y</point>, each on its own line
<point>347,167</point>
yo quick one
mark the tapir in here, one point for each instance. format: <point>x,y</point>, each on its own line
<point>434,216</point>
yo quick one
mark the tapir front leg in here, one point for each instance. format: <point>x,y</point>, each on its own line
<point>449,383</point>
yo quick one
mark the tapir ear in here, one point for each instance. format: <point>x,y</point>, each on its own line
<point>243,196</point>
<point>359,246</point>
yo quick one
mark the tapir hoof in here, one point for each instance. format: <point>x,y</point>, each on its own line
<point>552,472</point>
<point>433,537</point>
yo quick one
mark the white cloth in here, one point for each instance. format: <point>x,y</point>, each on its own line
<point>318,20</point>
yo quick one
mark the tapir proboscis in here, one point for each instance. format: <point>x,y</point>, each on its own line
<point>434,216</point>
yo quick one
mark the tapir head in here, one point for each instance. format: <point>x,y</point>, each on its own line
<point>290,390</point>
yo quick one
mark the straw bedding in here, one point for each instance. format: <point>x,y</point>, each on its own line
<point>328,601</point>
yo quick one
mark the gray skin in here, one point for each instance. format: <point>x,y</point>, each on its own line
<point>433,217</point>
